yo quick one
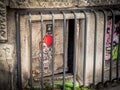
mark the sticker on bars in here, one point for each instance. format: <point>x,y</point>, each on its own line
<point>47,51</point>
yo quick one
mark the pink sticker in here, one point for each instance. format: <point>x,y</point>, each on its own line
<point>107,36</point>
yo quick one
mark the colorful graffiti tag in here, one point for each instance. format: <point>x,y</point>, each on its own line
<point>115,41</point>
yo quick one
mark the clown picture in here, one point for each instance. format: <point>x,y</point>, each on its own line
<point>47,51</point>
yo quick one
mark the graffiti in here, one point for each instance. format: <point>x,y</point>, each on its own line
<point>115,41</point>
<point>46,51</point>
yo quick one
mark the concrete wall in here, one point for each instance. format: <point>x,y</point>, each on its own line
<point>8,55</point>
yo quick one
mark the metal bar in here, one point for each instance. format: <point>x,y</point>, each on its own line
<point>104,43</point>
<point>95,46</point>
<point>118,57</point>
<point>117,62</point>
<point>64,49</point>
<point>74,62</point>
<point>77,2</point>
<point>42,71</point>
<point>53,22</point>
<point>113,22</point>
<point>85,43</point>
<point>30,26</point>
<point>18,51</point>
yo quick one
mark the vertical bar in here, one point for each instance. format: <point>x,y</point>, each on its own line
<point>118,57</point>
<point>77,2</point>
<point>42,71</point>
<point>85,43</point>
<point>113,22</point>
<point>53,22</point>
<point>18,51</point>
<point>64,49</point>
<point>117,63</point>
<point>74,62</point>
<point>30,23</point>
<point>104,43</point>
<point>95,42</point>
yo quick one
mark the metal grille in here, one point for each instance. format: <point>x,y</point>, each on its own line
<point>106,14</point>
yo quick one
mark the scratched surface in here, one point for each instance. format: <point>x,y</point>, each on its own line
<point>6,51</point>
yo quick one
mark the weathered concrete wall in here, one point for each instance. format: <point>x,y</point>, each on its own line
<point>59,3</point>
<point>40,4</point>
<point>8,56</point>
<point>3,26</point>
<point>98,2</point>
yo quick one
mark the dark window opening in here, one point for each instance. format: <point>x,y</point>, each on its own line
<point>70,45</point>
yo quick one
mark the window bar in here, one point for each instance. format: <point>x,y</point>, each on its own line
<point>104,43</point>
<point>85,43</point>
<point>18,51</point>
<point>53,22</point>
<point>95,42</point>
<point>64,49</point>
<point>74,62</point>
<point>117,63</point>
<point>118,57</point>
<point>77,2</point>
<point>30,23</point>
<point>113,22</point>
<point>42,71</point>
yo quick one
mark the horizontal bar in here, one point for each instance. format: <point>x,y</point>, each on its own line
<point>57,16</point>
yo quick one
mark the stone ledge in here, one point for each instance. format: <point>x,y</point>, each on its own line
<point>59,4</point>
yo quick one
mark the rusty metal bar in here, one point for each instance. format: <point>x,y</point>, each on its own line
<point>53,26</point>
<point>64,49</point>
<point>30,26</point>
<point>42,71</point>
<point>74,60</point>
<point>18,51</point>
